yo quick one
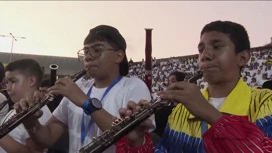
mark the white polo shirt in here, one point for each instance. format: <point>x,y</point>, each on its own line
<point>127,89</point>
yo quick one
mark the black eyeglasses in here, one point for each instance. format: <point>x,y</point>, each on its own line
<point>92,51</point>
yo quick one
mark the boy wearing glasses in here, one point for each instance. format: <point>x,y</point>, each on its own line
<point>88,106</point>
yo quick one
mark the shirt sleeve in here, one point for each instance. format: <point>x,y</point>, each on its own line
<point>61,112</point>
<point>122,146</point>
<point>140,92</point>
<point>46,115</point>
<point>236,134</point>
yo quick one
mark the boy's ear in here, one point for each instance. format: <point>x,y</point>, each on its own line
<point>243,58</point>
<point>120,55</point>
<point>32,81</point>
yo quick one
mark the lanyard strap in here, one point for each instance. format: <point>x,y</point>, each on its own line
<point>84,132</point>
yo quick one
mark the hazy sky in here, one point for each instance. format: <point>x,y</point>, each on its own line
<point>59,27</point>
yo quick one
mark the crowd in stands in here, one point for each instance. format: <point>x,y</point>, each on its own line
<point>255,73</point>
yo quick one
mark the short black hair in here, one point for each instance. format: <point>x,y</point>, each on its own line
<point>27,67</point>
<point>237,33</point>
<point>267,85</point>
<point>180,76</point>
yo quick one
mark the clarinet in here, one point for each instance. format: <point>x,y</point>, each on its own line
<point>17,119</point>
<point>121,127</point>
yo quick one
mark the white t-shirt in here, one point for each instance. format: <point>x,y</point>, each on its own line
<point>261,61</point>
<point>19,133</point>
<point>269,73</point>
<point>217,102</point>
<point>5,109</point>
<point>252,72</point>
<point>127,89</point>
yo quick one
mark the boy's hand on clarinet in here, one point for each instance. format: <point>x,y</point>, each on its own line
<point>136,136</point>
<point>189,95</point>
<point>68,88</point>
<point>28,102</point>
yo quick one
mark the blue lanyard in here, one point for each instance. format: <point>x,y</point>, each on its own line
<point>83,131</point>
